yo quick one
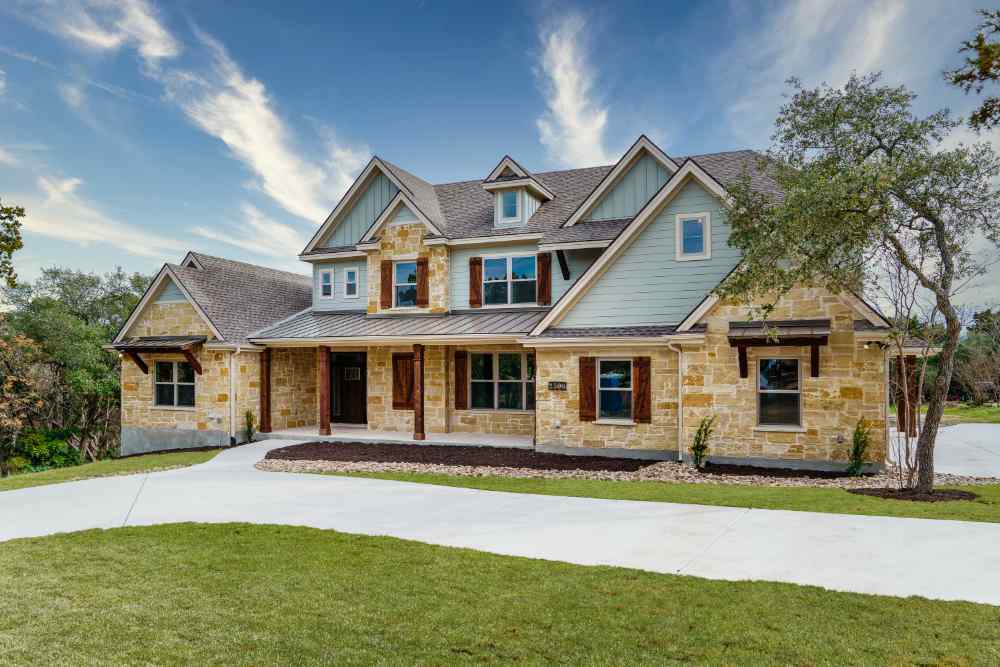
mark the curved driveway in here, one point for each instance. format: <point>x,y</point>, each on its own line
<point>935,559</point>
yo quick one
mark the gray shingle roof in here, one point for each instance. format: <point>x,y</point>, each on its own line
<point>240,298</point>
<point>313,324</point>
<point>599,230</point>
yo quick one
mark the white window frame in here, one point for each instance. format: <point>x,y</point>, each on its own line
<point>175,384</point>
<point>706,223</point>
<point>322,274</point>
<point>630,390</point>
<point>525,381</point>
<point>510,281</point>
<point>798,392</point>
<point>395,284</point>
<point>504,220</point>
<point>356,282</point>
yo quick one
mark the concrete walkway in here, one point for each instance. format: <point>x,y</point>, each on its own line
<point>968,449</point>
<point>936,559</point>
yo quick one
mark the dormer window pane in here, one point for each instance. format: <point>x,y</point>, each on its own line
<point>509,200</point>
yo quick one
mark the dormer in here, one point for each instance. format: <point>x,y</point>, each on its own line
<point>517,194</point>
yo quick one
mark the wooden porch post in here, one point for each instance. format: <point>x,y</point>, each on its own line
<point>265,390</point>
<point>906,419</point>
<point>418,392</point>
<point>324,389</point>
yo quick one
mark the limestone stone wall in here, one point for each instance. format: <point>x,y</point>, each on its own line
<point>406,242</point>
<point>170,319</point>
<point>559,411</point>
<point>294,395</point>
<point>247,367</point>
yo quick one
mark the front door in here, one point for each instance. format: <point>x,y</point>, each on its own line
<point>348,387</point>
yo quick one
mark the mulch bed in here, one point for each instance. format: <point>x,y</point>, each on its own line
<point>943,495</point>
<point>753,471</point>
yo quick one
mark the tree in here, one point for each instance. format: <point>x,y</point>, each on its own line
<point>980,68</point>
<point>19,398</point>
<point>863,179</point>
<point>10,240</point>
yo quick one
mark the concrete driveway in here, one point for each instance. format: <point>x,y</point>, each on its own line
<point>935,559</point>
<point>968,449</point>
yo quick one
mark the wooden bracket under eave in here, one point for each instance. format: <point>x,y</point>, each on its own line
<point>138,361</point>
<point>563,265</point>
<point>193,360</point>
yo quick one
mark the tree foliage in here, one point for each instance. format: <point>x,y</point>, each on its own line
<point>866,181</point>
<point>981,66</point>
<point>10,240</point>
<point>19,396</point>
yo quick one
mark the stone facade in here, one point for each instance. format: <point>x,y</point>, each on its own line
<point>294,395</point>
<point>499,422</point>
<point>406,241</point>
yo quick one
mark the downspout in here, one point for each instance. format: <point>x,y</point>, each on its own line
<point>680,399</point>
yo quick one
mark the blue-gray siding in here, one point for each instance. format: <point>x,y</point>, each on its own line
<point>632,191</point>
<point>169,293</point>
<point>646,285</point>
<point>339,301</point>
<point>359,218</point>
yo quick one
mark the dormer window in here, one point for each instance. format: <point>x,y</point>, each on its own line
<point>693,236</point>
<point>510,206</point>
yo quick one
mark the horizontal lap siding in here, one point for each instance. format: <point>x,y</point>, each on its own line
<point>646,285</point>
<point>360,217</point>
<point>339,301</point>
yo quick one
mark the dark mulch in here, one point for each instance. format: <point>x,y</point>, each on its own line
<point>943,495</point>
<point>746,471</point>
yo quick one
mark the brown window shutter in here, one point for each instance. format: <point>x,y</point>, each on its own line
<point>475,282</point>
<point>461,380</point>
<point>544,279</point>
<point>422,288</point>
<point>385,297</point>
<point>588,389</point>
<point>643,390</point>
<point>402,380</point>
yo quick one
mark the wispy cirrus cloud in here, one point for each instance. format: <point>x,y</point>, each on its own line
<point>572,129</point>
<point>258,234</point>
<point>3,82</point>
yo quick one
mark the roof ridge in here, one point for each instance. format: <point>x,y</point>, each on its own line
<point>291,274</point>
<point>534,174</point>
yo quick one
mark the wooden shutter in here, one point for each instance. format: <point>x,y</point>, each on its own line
<point>475,282</point>
<point>402,380</point>
<point>588,389</point>
<point>385,297</point>
<point>544,279</point>
<point>461,380</point>
<point>422,287</point>
<point>643,390</point>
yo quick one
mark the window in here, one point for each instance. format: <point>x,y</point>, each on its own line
<point>779,400</point>
<point>502,381</point>
<point>174,382</point>
<point>509,205</point>
<point>326,284</point>
<point>405,284</point>
<point>694,236</point>
<point>351,283</point>
<point>614,389</point>
<point>509,280</point>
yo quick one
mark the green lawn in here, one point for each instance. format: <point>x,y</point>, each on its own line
<point>966,414</point>
<point>257,595</point>
<point>837,501</point>
<point>126,466</point>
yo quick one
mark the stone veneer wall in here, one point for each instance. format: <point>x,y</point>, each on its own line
<point>851,385</point>
<point>247,366</point>
<point>294,395</point>
<point>499,422</point>
<point>564,406</point>
<point>407,241</point>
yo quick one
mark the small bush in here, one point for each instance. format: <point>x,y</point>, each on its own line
<point>701,438</point>
<point>859,447</point>
<point>18,464</point>
<point>249,425</point>
<point>45,449</point>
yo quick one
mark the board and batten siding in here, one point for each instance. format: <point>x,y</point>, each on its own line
<point>339,301</point>
<point>169,293</point>
<point>632,191</point>
<point>380,190</point>
<point>578,261</point>
<point>646,285</point>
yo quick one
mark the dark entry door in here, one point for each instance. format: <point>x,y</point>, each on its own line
<point>349,387</point>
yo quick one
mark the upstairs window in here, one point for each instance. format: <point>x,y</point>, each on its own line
<point>779,396</point>
<point>510,206</point>
<point>694,236</point>
<point>510,280</point>
<point>405,284</point>
<point>174,384</point>
<point>351,283</point>
<point>326,284</point>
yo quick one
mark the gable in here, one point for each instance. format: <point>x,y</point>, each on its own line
<point>354,222</point>
<point>645,284</point>
<point>636,187</point>
<point>168,292</point>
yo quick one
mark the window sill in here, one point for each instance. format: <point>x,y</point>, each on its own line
<point>779,428</point>
<point>692,258</point>
<point>175,408</point>
<point>510,305</point>
<point>615,422</point>
<point>488,411</point>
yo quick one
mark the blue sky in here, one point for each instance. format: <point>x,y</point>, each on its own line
<point>132,131</point>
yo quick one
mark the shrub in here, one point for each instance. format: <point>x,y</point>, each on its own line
<point>701,437</point>
<point>249,425</point>
<point>18,464</point>
<point>859,446</point>
<point>45,448</point>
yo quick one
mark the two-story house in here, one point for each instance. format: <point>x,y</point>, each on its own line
<point>569,310</point>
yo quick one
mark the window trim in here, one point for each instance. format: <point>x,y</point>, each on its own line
<point>706,221</point>
<point>175,384</point>
<point>597,388</point>
<point>510,280</point>
<point>496,381</point>
<point>356,283</point>
<point>395,285</point>
<point>797,426</point>
<point>327,272</point>
<point>501,218</point>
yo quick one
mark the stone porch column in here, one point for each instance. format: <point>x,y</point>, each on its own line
<point>324,389</point>
<point>418,392</point>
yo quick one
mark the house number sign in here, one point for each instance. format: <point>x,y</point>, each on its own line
<point>557,386</point>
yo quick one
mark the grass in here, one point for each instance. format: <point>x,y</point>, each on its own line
<point>966,414</point>
<point>257,595</point>
<point>106,468</point>
<point>837,501</point>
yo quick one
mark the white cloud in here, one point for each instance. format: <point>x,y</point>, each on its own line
<point>60,212</point>
<point>72,94</point>
<point>572,128</point>
<point>257,233</point>
<point>3,82</point>
<point>6,158</point>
